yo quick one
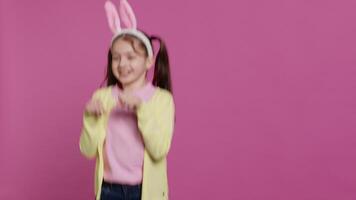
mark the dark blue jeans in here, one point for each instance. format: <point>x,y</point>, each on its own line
<point>114,191</point>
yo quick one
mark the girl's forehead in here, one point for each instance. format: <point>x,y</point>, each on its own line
<point>122,51</point>
<point>121,47</point>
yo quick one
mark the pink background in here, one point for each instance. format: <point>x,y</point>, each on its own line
<point>265,94</point>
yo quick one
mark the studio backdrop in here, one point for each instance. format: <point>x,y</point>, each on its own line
<point>265,96</point>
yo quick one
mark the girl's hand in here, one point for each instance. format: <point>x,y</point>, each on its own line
<point>94,107</point>
<point>129,101</point>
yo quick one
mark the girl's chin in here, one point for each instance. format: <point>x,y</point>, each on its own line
<point>124,80</point>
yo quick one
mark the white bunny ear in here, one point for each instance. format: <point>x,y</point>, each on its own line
<point>127,15</point>
<point>113,17</point>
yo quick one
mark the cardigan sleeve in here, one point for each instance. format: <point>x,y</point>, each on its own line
<point>90,132</point>
<point>155,120</point>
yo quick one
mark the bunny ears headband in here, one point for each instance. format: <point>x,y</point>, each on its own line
<point>128,18</point>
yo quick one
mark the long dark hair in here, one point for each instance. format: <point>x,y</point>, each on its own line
<point>161,76</point>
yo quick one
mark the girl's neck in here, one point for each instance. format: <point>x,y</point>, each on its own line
<point>134,86</point>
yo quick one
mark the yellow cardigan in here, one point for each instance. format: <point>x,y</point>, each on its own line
<point>155,120</point>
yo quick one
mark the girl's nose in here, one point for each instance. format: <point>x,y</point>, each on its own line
<point>123,63</point>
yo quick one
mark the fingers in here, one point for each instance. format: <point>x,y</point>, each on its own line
<point>125,102</point>
<point>98,108</point>
<point>122,103</point>
<point>95,107</point>
<point>101,109</point>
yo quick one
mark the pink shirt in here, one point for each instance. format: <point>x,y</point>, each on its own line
<point>124,147</point>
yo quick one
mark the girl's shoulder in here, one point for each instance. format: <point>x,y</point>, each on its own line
<point>102,92</point>
<point>161,101</point>
<point>163,93</point>
<point>161,97</point>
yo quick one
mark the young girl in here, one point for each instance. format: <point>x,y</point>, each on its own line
<point>128,125</point>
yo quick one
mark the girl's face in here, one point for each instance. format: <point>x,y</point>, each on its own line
<point>129,65</point>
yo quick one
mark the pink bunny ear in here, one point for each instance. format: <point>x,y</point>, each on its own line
<point>127,15</point>
<point>113,17</point>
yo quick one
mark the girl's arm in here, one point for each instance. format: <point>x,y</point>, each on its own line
<point>90,134</point>
<point>156,122</point>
